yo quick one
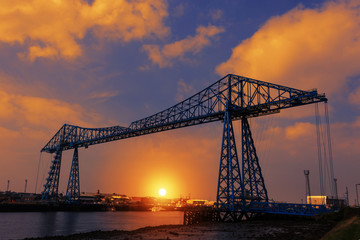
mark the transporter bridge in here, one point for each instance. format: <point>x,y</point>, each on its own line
<point>241,190</point>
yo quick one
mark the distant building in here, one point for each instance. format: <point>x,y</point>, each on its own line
<point>317,200</point>
<point>199,202</point>
<point>325,200</point>
<point>87,197</point>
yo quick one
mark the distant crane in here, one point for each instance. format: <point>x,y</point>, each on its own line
<point>241,190</point>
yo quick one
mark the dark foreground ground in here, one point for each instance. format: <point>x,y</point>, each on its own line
<point>344,225</point>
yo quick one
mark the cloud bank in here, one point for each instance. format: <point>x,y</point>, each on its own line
<point>303,48</point>
<point>54,28</point>
<point>164,56</point>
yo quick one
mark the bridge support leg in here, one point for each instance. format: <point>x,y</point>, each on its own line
<point>254,186</point>
<point>73,188</point>
<point>229,185</point>
<point>52,182</point>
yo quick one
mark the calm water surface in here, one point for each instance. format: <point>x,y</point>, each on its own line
<point>40,224</point>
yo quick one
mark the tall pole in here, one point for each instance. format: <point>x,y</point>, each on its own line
<point>335,188</point>
<point>347,196</point>
<point>357,194</point>
<point>8,184</point>
<point>307,186</point>
<point>25,185</point>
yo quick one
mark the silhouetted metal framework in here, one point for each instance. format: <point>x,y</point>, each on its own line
<point>254,186</point>
<point>230,98</point>
<point>73,188</point>
<point>229,193</point>
<point>246,98</point>
<point>51,186</point>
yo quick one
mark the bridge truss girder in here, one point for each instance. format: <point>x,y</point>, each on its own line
<point>244,96</point>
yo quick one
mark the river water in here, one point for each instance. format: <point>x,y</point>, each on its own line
<point>40,224</point>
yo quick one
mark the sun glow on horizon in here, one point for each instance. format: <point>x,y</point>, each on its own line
<point>162,192</point>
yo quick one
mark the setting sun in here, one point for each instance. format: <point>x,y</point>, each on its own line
<point>162,192</point>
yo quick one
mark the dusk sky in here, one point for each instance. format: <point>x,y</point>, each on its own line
<point>103,63</point>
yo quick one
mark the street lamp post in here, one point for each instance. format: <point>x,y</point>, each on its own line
<point>357,194</point>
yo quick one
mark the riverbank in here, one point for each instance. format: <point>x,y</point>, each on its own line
<point>262,230</point>
<point>345,223</point>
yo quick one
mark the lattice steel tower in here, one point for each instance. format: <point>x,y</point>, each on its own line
<point>73,188</point>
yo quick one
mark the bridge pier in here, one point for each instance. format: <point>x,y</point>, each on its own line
<point>51,186</point>
<point>253,181</point>
<point>200,215</point>
<point>73,187</point>
<point>237,189</point>
<point>229,189</point>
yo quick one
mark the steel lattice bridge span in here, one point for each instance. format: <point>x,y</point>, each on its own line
<point>241,190</point>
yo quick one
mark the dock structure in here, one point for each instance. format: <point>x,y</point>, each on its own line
<point>200,215</point>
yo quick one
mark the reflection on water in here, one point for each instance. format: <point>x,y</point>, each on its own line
<point>39,224</point>
<point>47,222</point>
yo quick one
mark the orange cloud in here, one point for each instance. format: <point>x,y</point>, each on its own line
<point>304,48</point>
<point>357,122</point>
<point>26,124</point>
<point>55,28</point>
<point>30,120</point>
<point>300,129</point>
<point>104,95</point>
<point>20,111</point>
<point>192,44</point>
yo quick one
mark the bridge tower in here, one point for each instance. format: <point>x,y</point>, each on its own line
<point>230,187</point>
<point>253,187</point>
<point>51,186</point>
<point>73,188</point>
<point>237,187</point>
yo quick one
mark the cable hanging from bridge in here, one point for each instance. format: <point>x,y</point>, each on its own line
<point>37,173</point>
<point>324,148</point>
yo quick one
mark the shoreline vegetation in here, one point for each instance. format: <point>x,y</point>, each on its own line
<point>340,225</point>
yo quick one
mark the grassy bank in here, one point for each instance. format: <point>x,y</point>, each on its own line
<point>348,226</point>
